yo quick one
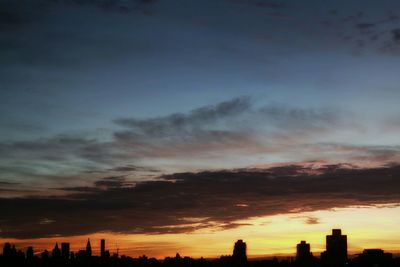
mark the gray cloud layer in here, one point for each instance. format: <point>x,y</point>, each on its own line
<point>235,128</point>
<point>228,126</point>
<point>217,199</point>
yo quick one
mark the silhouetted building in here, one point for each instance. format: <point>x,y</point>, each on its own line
<point>65,250</point>
<point>29,253</point>
<point>239,255</point>
<point>336,248</point>
<point>81,254</point>
<point>45,254</point>
<point>374,257</point>
<point>20,255</point>
<point>88,249</point>
<point>56,253</point>
<point>102,248</point>
<point>303,253</point>
<point>107,254</point>
<point>7,250</point>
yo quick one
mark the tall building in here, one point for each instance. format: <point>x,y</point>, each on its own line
<point>239,255</point>
<point>56,253</point>
<point>29,253</point>
<point>7,250</point>
<point>88,249</point>
<point>303,251</point>
<point>65,250</point>
<point>102,248</point>
<point>336,248</point>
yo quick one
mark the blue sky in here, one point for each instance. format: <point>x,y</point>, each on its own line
<point>135,90</point>
<point>72,68</point>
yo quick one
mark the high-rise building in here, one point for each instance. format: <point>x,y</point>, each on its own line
<point>303,252</point>
<point>29,253</point>
<point>7,250</point>
<point>336,248</point>
<point>239,255</point>
<point>102,248</point>
<point>65,250</point>
<point>88,249</point>
<point>56,253</point>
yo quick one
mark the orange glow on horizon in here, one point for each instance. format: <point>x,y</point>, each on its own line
<point>366,227</point>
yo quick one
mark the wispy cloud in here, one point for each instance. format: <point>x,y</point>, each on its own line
<point>237,128</point>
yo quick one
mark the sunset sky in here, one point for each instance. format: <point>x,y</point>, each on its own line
<point>171,126</point>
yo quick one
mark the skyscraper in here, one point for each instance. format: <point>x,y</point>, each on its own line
<point>239,255</point>
<point>65,250</point>
<point>29,253</point>
<point>7,250</point>
<point>56,252</point>
<point>102,248</point>
<point>336,248</point>
<point>88,249</point>
<point>303,252</point>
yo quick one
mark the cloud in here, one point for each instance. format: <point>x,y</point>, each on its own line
<point>112,182</point>
<point>375,154</point>
<point>197,118</point>
<point>233,129</point>
<point>274,5</point>
<point>21,12</point>
<point>396,35</point>
<point>133,168</point>
<point>218,199</point>
<point>237,124</point>
<point>363,36</point>
<point>33,34</point>
<point>363,26</point>
<point>312,220</point>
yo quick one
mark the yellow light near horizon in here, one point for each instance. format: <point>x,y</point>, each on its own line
<point>366,227</point>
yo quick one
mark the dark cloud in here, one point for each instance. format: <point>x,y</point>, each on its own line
<point>133,168</point>
<point>354,31</point>
<point>179,122</point>
<point>2,183</point>
<point>112,182</point>
<point>184,202</point>
<point>260,3</point>
<point>14,14</point>
<point>222,126</point>
<point>23,11</point>
<point>363,26</point>
<point>119,6</point>
<point>312,220</point>
<point>396,35</point>
<point>32,37</point>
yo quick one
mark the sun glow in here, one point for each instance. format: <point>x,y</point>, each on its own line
<point>366,227</point>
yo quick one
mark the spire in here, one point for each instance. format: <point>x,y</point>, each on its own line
<point>88,248</point>
<point>56,251</point>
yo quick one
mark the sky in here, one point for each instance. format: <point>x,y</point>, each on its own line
<point>161,125</point>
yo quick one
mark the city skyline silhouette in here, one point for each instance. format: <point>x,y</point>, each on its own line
<point>335,255</point>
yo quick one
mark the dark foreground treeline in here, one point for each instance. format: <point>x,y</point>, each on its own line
<point>186,262</point>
